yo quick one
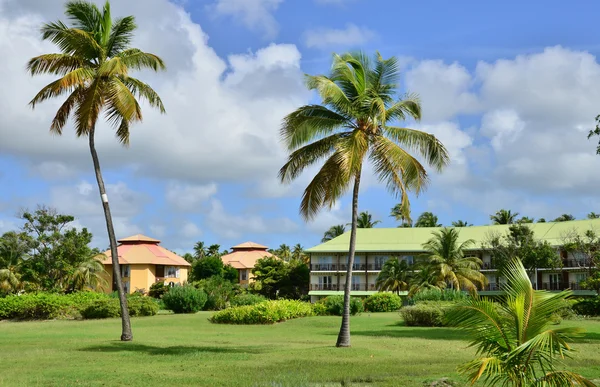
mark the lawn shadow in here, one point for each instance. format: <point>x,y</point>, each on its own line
<point>416,332</point>
<point>172,350</point>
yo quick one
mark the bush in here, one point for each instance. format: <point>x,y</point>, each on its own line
<point>383,302</point>
<point>587,306</point>
<point>219,292</point>
<point>103,308</point>
<point>247,299</point>
<point>319,309</point>
<point>436,294</point>
<point>335,305</point>
<point>141,306</point>
<point>425,314</point>
<point>33,306</point>
<point>158,290</point>
<point>267,312</point>
<point>185,299</point>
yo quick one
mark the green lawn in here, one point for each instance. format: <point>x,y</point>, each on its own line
<point>188,350</point>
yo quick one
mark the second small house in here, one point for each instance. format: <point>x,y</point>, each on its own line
<point>243,258</point>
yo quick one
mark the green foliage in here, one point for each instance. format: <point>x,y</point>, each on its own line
<point>142,306</point>
<point>514,343</point>
<point>230,274</point>
<point>382,302</point>
<point>504,217</point>
<point>335,305</point>
<point>207,267</point>
<point>394,275</point>
<point>47,305</point>
<point>436,294</point>
<point>587,306</point>
<point>104,308</point>
<point>425,314</point>
<point>158,290</point>
<point>219,292</point>
<point>275,278</point>
<point>333,232</point>
<point>592,282</point>
<point>185,299</point>
<point>108,307</point>
<point>247,299</point>
<point>268,312</point>
<point>320,309</point>
<point>427,219</point>
<point>365,220</point>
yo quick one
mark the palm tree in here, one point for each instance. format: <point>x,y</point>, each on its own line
<point>448,258</point>
<point>593,215</point>
<point>526,219</point>
<point>397,213</point>
<point>213,250</point>
<point>504,217</point>
<point>427,219</point>
<point>333,232</point>
<point>516,344</point>
<point>298,253</point>
<point>284,252</point>
<point>394,276</point>
<point>199,250</point>
<point>424,277</point>
<point>461,223</point>
<point>354,122</point>
<point>10,281</point>
<point>365,220</point>
<point>564,218</point>
<point>94,65</point>
<point>88,275</point>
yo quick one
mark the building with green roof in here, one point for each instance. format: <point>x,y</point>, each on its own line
<point>374,246</point>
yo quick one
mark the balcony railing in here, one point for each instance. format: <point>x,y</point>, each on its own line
<point>354,287</point>
<point>324,267</point>
<point>554,286</point>
<point>488,266</point>
<point>583,263</point>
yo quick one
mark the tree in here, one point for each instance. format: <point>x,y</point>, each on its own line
<point>354,122</point>
<point>284,252</point>
<point>514,339</point>
<point>424,277</point>
<point>298,253</point>
<point>230,273</point>
<point>504,217</point>
<point>461,223</point>
<point>269,273</point>
<point>333,232</point>
<point>564,218</point>
<point>88,276</point>
<point>199,250</point>
<point>397,213</point>
<point>451,264</point>
<point>596,132</point>
<point>365,220</point>
<point>94,65</point>
<point>525,219</point>
<point>394,276</point>
<point>207,267</point>
<point>541,220</point>
<point>593,215</point>
<point>427,219</point>
<point>213,250</point>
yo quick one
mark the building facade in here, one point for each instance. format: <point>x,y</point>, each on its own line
<point>143,262</point>
<point>374,246</point>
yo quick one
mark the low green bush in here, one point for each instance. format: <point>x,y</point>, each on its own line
<point>382,302</point>
<point>219,292</point>
<point>103,308</point>
<point>319,309</point>
<point>436,294</point>
<point>158,290</point>
<point>587,306</point>
<point>33,306</point>
<point>425,314</point>
<point>142,306</point>
<point>247,299</point>
<point>267,312</point>
<point>185,299</point>
<point>335,305</point>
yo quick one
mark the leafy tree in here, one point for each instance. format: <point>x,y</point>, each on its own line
<point>592,282</point>
<point>504,217</point>
<point>230,273</point>
<point>269,273</point>
<point>189,257</point>
<point>427,219</point>
<point>593,215</point>
<point>447,255</point>
<point>461,223</point>
<point>596,132</point>
<point>333,232</point>
<point>207,267</point>
<point>296,281</point>
<point>355,121</point>
<point>94,62</point>
<point>516,345</point>
<point>365,220</point>
<point>541,220</point>
<point>394,276</point>
<point>564,218</point>
<point>586,246</point>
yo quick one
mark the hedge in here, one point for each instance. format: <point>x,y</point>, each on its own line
<point>267,312</point>
<point>247,299</point>
<point>587,306</point>
<point>382,302</point>
<point>426,314</point>
<point>335,305</point>
<point>185,299</point>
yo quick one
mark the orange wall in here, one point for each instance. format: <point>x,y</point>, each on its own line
<point>142,276</point>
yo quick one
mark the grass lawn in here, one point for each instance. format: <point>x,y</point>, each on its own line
<point>188,350</point>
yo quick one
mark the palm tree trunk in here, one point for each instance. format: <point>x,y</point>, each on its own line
<point>343,339</point>
<point>126,334</point>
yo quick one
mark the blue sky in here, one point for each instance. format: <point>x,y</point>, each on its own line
<point>510,87</point>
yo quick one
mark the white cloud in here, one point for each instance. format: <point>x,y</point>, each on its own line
<point>188,197</point>
<point>190,230</point>
<point>325,38</point>
<point>502,126</point>
<point>256,15</point>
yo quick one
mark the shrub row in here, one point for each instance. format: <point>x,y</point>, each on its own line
<point>426,313</point>
<point>82,304</point>
<point>383,302</point>
<point>436,294</point>
<point>334,305</point>
<point>266,312</point>
<point>247,299</point>
<point>587,306</point>
<point>185,299</point>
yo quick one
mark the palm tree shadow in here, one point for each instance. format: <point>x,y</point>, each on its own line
<point>177,350</point>
<point>415,332</point>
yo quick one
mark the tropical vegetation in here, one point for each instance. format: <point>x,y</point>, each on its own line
<point>504,217</point>
<point>427,219</point>
<point>333,232</point>
<point>394,276</point>
<point>365,220</point>
<point>356,121</point>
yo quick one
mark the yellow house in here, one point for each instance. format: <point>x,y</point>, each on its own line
<point>143,262</point>
<point>243,258</point>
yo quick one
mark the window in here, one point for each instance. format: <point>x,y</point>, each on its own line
<point>380,260</point>
<point>172,272</point>
<point>355,282</point>
<point>126,287</point>
<point>409,259</point>
<point>243,275</point>
<point>125,271</point>
<point>579,277</point>
<point>325,280</point>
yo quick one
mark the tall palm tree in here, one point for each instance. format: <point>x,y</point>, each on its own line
<point>88,275</point>
<point>356,121</point>
<point>333,232</point>
<point>213,250</point>
<point>93,65</point>
<point>516,345</point>
<point>564,218</point>
<point>461,223</point>
<point>504,217</point>
<point>199,250</point>
<point>284,252</point>
<point>424,277</point>
<point>427,219</point>
<point>298,253</point>
<point>397,213</point>
<point>394,276</point>
<point>365,220</point>
<point>448,257</point>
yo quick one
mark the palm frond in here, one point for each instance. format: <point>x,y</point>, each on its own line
<point>57,64</point>
<point>427,145</point>
<point>88,109</point>
<point>563,379</point>
<point>308,155</point>
<point>84,15</point>
<point>63,113</point>
<point>72,41</point>
<point>407,107</point>
<point>143,90</point>
<point>330,92</point>
<point>139,60</point>
<point>309,123</point>
<point>121,35</point>
<point>76,78</point>
<point>121,105</point>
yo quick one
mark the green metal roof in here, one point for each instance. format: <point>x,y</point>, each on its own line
<point>411,239</point>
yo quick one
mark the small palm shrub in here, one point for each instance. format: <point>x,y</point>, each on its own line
<point>335,305</point>
<point>185,299</point>
<point>247,299</point>
<point>267,312</point>
<point>382,302</point>
<point>425,314</point>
